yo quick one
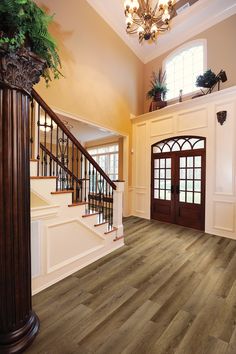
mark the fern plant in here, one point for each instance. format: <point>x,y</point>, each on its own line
<point>24,24</point>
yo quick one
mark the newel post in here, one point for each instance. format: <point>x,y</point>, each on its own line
<point>18,323</point>
<point>118,207</point>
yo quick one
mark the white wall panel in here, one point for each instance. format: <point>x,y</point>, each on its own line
<point>224,216</point>
<point>161,126</point>
<point>140,155</point>
<point>225,151</point>
<point>194,119</point>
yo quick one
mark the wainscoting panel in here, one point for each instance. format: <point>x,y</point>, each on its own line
<point>224,216</point>
<point>140,152</point>
<point>66,243</point>
<point>162,126</point>
<point>225,151</point>
<point>194,119</point>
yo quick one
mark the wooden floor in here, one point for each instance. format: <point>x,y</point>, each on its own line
<point>169,290</point>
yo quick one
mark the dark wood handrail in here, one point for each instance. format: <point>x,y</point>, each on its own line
<point>57,120</point>
<point>54,158</point>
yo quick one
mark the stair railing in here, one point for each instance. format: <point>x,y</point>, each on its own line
<point>61,155</point>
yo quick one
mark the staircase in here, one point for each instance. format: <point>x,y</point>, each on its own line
<point>76,210</point>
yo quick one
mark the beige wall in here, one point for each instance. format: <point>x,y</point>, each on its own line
<point>103,78</point>
<point>221,54</point>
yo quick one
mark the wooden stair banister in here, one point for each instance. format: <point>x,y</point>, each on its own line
<point>60,154</point>
<point>57,120</point>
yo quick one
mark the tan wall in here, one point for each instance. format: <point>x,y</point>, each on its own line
<point>221,54</point>
<point>103,78</point>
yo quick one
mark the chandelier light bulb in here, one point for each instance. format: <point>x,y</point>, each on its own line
<point>135,5</point>
<point>165,16</point>
<point>127,4</point>
<point>154,29</point>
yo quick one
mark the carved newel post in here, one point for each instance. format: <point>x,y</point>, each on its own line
<point>18,323</point>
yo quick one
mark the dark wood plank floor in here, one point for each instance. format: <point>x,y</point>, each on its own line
<point>169,290</point>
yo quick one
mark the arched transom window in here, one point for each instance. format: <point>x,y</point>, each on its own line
<point>183,66</point>
<point>179,144</point>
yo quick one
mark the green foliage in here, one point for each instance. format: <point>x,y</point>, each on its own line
<point>23,23</point>
<point>158,85</point>
<point>207,80</point>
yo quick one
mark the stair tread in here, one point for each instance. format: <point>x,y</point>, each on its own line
<point>61,192</point>
<point>118,238</point>
<point>90,214</point>
<point>43,177</point>
<point>77,204</point>
<point>110,231</point>
<point>101,223</point>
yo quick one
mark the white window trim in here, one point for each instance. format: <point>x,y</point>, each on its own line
<point>200,41</point>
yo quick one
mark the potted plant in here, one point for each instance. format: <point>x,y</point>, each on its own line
<point>207,80</point>
<point>158,90</point>
<point>27,52</point>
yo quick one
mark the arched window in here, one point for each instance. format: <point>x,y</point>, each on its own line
<point>179,144</point>
<point>183,66</point>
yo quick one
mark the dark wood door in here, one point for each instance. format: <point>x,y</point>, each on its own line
<point>178,187</point>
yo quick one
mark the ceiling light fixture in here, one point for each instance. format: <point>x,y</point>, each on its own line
<point>148,21</point>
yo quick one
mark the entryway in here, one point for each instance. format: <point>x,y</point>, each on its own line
<point>178,181</point>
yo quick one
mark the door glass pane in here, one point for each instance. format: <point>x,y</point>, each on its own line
<point>168,163</point>
<point>189,173</point>
<point>156,163</point>
<point>189,185</point>
<point>162,194</point>
<point>189,197</point>
<point>182,173</point>
<point>162,163</point>
<point>197,173</point>
<point>182,196</point>
<point>156,173</point>
<point>197,198</point>
<point>190,161</point>
<point>168,173</point>
<point>182,162</point>
<point>197,186</point>
<point>198,161</point>
<point>156,193</point>
<point>168,184</point>
<point>168,195</point>
<point>162,173</point>
<point>156,183</point>
<point>162,184</point>
<point>182,185</point>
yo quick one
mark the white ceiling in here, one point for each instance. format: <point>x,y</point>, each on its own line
<point>195,19</point>
<point>85,132</point>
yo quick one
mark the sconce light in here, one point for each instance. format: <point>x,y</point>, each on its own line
<point>221,117</point>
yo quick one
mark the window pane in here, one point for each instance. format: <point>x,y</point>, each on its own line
<point>168,173</point>
<point>182,185</point>
<point>168,184</point>
<point>182,197</point>
<point>190,161</point>
<point>182,162</point>
<point>197,161</point>
<point>156,183</point>
<point>168,195</point>
<point>197,186</point>
<point>156,193</point>
<point>189,185</point>
<point>189,197</point>
<point>168,163</point>
<point>162,184</point>
<point>162,194</point>
<point>197,198</point>
<point>183,68</point>
<point>156,163</point>
<point>156,173</point>
<point>162,173</point>
<point>197,173</point>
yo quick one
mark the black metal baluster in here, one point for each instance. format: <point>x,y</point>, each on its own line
<point>38,145</point>
<point>50,163</point>
<point>45,143</point>
<point>57,142</point>
<point>32,128</point>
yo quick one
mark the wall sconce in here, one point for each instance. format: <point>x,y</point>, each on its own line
<point>221,117</point>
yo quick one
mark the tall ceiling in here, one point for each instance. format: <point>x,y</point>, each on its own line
<point>201,15</point>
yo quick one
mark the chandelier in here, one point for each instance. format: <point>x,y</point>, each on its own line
<point>148,21</point>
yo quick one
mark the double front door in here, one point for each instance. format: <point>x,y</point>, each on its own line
<point>178,186</point>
